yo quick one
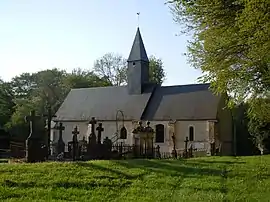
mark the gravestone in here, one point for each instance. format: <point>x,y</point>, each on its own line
<point>34,146</point>
<point>92,137</point>
<point>108,144</point>
<point>60,143</point>
<point>75,148</point>
<point>100,130</point>
<point>174,153</point>
<point>186,149</point>
<point>149,140</point>
<point>49,117</point>
<point>82,148</point>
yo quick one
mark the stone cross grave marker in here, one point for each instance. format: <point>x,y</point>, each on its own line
<point>49,117</point>
<point>33,146</point>
<point>100,129</point>
<point>60,143</point>
<point>75,133</point>
<point>92,136</point>
<point>32,118</point>
<point>93,122</point>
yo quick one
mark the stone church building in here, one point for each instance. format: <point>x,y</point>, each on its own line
<point>191,111</point>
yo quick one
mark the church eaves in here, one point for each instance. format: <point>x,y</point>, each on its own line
<point>138,52</point>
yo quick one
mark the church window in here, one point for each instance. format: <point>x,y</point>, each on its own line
<point>123,133</point>
<point>191,133</point>
<point>159,133</point>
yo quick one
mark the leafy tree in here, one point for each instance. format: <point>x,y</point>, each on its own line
<point>83,79</point>
<point>231,43</point>
<point>113,68</point>
<point>47,88</point>
<point>156,71</point>
<point>259,121</point>
<point>6,103</point>
<point>37,91</point>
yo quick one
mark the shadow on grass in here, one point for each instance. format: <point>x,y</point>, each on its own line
<point>66,185</point>
<point>110,170</point>
<point>216,162</point>
<point>182,169</point>
<point>10,195</point>
<point>170,167</point>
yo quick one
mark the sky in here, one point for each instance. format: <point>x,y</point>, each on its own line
<point>66,34</point>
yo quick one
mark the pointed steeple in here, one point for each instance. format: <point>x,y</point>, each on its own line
<point>138,52</point>
<point>138,66</point>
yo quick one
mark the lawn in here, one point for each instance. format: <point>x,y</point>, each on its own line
<point>198,179</point>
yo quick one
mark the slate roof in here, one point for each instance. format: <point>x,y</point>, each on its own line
<point>184,102</point>
<point>102,103</point>
<point>138,52</point>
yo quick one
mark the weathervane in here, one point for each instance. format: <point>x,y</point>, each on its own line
<point>138,14</point>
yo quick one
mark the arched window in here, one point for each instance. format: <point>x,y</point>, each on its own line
<point>123,133</point>
<point>191,133</point>
<point>159,133</point>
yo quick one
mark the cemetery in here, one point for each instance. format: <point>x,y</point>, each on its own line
<point>137,127</point>
<point>93,169</point>
<point>37,149</point>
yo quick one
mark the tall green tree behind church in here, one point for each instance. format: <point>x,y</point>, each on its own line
<point>113,68</point>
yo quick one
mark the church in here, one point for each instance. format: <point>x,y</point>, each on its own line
<point>191,111</point>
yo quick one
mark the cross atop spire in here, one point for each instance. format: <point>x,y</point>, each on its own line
<point>138,52</point>
<point>138,14</point>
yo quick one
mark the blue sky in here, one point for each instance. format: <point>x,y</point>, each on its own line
<point>66,34</point>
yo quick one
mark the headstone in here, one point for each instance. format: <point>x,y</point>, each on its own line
<point>186,149</point>
<point>82,148</point>
<point>60,143</point>
<point>34,141</point>
<point>158,154</point>
<point>174,153</point>
<point>75,133</point>
<point>100,130</point>
<point>108,143</point>
<point>149,140</point>
<point>190,151</point>
<point>92,136</point>
<point>49,120</point>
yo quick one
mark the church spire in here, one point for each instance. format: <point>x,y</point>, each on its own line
<point>138,66</point>
<point>138,52</point>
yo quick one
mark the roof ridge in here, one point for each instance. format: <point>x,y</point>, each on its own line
<point>101,87</point>
<point>191,84</point>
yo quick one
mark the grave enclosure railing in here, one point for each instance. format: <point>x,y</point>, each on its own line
<point>132,151</point>
<point>181,153</point>
<point>16,149</point>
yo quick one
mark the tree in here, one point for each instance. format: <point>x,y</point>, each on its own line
<point>156,71</point>
<point>113,68</point>
<point>231,43</point>
<point>47,88</point>
<point>79,78</point>
<point>6,103</point>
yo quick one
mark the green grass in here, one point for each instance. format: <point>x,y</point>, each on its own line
<point>199,179</point>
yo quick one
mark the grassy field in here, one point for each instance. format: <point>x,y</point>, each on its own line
<point>199,179</point>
